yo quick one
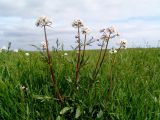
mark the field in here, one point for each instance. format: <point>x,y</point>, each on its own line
<point>26,91</point>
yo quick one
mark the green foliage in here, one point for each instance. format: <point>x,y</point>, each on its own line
<point>26,91</point>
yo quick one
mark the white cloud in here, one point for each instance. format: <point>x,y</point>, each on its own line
<point>135,19</point>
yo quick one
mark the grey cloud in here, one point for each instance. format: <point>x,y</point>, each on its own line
<point>20,16</point>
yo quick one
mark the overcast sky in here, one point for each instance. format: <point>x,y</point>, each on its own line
<point>138,21</point>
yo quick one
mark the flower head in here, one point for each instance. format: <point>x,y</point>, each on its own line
<point>77,23</point>
<point>23,88</point>
<point>122,43</point>
<point>112,30</point>
<point>15,50</point>
<point>108,33</point>
<point>105,37</point>
<point>43,21</point>
<point>65,54</point>
<point>27,54</point>
<point>85,30</point>
<point>112,51</point>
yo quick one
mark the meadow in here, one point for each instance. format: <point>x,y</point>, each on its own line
<point>103,84</point>
<point>26,90</point>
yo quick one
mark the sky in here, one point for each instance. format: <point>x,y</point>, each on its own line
<point>138,21</point>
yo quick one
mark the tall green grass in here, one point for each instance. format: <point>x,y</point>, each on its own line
<point>135,95</point>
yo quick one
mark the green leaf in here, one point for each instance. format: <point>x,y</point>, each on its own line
<point>100,114</point>
<point>69,80</point>
<point>28,110</point>
<point>78,112</point>
<point>65,109</point>
<point>42,98</point>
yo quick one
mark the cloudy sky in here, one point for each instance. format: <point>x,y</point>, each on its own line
<point>138,21</point>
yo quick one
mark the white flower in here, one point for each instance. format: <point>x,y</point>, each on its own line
<point>65,54</point>
<point>112,30</point>
<point>27,54</point>
<point>122,43</point>
<point>85,30</point>
<point>108,33</point>
<point>15,50</point>
<point>23,88</point>
<point>112,51</point>
<point>105,37</point>
<point>77,23</point>
<point>43,21</point>
<point>4,48</point>
<point>43,44</point>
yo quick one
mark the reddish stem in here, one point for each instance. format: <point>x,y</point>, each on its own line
<point>78,57</point>
<point>58,95</point>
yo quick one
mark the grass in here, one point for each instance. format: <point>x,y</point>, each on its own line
<point>135,95</point>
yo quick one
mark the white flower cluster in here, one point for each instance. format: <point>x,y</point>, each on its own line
<point>23,88</point>
<point>65,54</point>
<point>43,21</point>
<point>15,50</point>
<point>85,30</point>
<point>108,33</point>
<point>77,23</point>
<point>122,43</point>
<point>112,51</point>
<point>27,54</point>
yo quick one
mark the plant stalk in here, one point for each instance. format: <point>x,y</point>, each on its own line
<point>78,57</point>
<point>58,95</point>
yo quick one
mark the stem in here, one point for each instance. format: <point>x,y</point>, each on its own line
<point>99,58</point>
<point>110,77</point>
<point>103,55</point>
<point>110,84</point>
<point>43,48</point>
<point>101,62</point>
<point>96,68</point>
<point>84,48</point>
<point>95,73</point>
<point>78,57</point>
<point>58,95</point>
